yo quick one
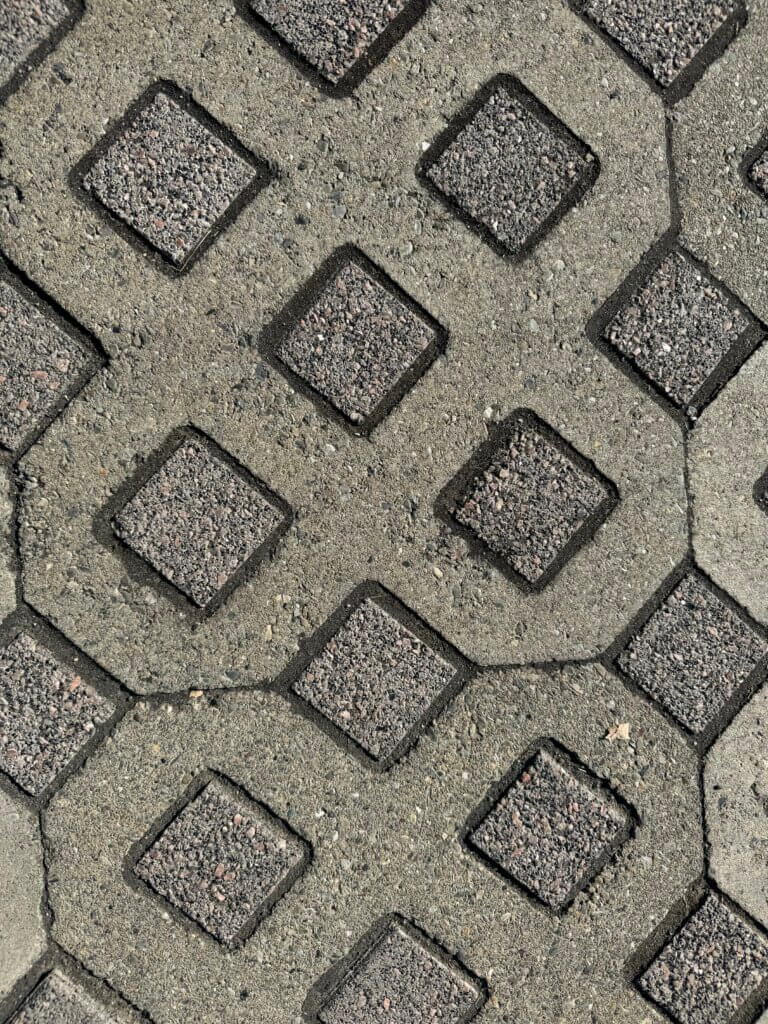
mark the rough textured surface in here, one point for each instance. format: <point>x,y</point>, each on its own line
<point>374,679</point>
<point>58,1000</point>
<point>758,173</point>
<point>550,831</point>
<point>196,521</point>
<point>710,968</point>
<point>222,861</point>
<point>693,654</point>
<point>24,25</point>
<point>22,930</point>
<point>401,981</point>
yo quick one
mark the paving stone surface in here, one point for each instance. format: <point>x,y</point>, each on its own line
<point>57,999</point>
<point>24,26</point>
<point>22,883</point>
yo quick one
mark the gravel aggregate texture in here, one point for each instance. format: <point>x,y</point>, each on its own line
<point>24,25</point>
<point>48,713</point>
<point>693,654</point>
<point>710,968</point>
<point>58,1000</point>
<point>196,521</point>
<point>550,831</point>
<point>758,173</point>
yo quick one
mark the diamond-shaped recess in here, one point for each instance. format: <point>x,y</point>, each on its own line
<point>552,829</point>
<point>223,861</point>
<point>528,499</point>
<point>509,167</point>
<point>198,519</point>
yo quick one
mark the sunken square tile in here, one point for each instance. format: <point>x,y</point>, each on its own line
<point>528,499</point>
<point>357,343</point>
<point>48,714</point>
<point>41,364</point>
<point>672,42</point>
<point>224,861</point>
<point>551,829</point>
<point>376,676</point>
<point>26,26</point>
<point>757,174</point>
<point>171,174</point>
<point>682,331</point>
<point>509,167</point>
<point>398,975</point>
<point>694,655</point>
<point>198,519</point>
<point>340,42</point>
<point>713,968</point>
<point>59,1000</point>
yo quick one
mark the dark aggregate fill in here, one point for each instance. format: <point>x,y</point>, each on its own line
<point>663,36</point>
<point>550,831</point>
<point>710,968</point>
<point>693,654</point>
<point>24,24</point>
<point>169,178</point>
<point>329,35</point>
<point>38,363</point>
<point>355,343</point>
<point>677,328</point>
<point>758,173</point>
<point>220,861</point>
<point>196,521</point>
<point>400,981</point>
<point>529,502</point>
<point>58,1000</point>
<point>374,679</point>
<point>509,170</point>
<point>47,714</point>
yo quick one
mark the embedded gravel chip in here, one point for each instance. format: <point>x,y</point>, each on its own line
<point>663,36</point>
<point>693,654</point>
<point>513,169</point>
<point>551,832</point>
<point>197,521</point>
<point>355,343</point>
<point>531,501</point>
<point>401,981</point>
<point>713,964</point>
<point>374,680</point>
<point>758,173</point>
<point>677,329</point>
<point>58,1000</point>
<point>24,25</point>
<point>39,365</point>
<point>169,177</point>
<point>330,36</point>
<point>223,861</point>
<point>47,714</point>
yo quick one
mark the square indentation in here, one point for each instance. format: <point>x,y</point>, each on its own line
<point>757,173</point>
<point>171,174</point>
<point>713,970</point>
<point>696,656</point>
<point>223,860</point>
<point>682,331</point>
<point>509,167</point>
<point>528,500</point>
<point>375,676</point>
<point>27,30</point>
<point>398,975</point>
<point>44,361</point>
<point>59,999</point>
<point>354,341</point>
<point>199,519</point>
<point>672,42</point>
<point>550,828</point>
<point>49,714</point>
<point>338,42</point>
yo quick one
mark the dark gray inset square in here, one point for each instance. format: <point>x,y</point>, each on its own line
<point>758,174</point>
<point>712,968</point>
<point>171,174</point>
<point>59,1000</point>
<point>48,714</point>
<point>223,861</point>
<point>199,519</point>
<point>398,975</point>
<point>28,27</point>
<point>694,655</point>
<point>376,676</point>
<point>551,828</point>
<point>682,331</point>
<point>354,340</point>
<point>528,499</point>
<point>509,167</point>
